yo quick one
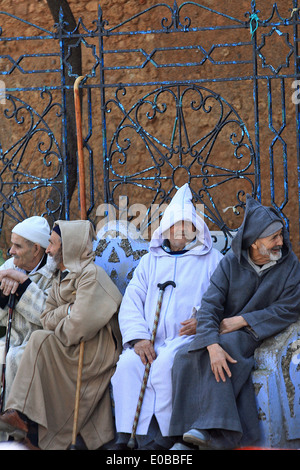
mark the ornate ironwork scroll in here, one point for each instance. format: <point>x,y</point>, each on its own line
<point>31,174</point>
<point>205,143</point>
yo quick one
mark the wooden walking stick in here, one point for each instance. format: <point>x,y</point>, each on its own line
<point>132,441</point>
<point>83,214</point>
<point>11,304</point>
<point>81,170</point>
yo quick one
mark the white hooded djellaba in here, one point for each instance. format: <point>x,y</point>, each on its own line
<point>191,270</point>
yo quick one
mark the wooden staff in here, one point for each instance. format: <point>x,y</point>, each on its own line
<point>131,443</point>
<point>83,215</point>
<point>81,170</point>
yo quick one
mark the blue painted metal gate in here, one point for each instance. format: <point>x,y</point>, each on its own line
<point>173,94</point>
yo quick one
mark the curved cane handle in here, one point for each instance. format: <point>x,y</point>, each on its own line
<point>166,284</point>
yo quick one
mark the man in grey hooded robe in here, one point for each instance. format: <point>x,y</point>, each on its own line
<point>253,294</point>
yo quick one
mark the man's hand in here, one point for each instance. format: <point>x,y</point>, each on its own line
<point>232,324</point>
<point>10,280</point>
<point>145,350</point>
<point>189,327</point>
<point>218,361</point>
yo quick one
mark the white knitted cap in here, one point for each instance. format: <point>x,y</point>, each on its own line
<point>35,229</point>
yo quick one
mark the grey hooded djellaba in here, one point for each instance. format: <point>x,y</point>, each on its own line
<point>269,302</point>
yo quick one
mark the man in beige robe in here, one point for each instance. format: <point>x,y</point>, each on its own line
<point>81,306</point>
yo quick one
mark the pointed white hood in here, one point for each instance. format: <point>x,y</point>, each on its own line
<point>182,208</point>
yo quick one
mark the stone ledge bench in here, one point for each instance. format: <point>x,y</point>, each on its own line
<point>276,376</point>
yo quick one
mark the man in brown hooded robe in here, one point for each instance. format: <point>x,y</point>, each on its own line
<point>81,306</point>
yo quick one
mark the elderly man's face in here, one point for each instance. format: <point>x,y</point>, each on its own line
<point>54,250</point>
<point>24,252</point>
<point>269,248</point>
<point>180,234</point>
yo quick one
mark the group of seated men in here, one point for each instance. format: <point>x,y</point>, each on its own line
<point>212,316</point>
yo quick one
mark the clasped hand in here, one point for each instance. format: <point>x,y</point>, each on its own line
<point>10,280</point>
<point>144,348</point>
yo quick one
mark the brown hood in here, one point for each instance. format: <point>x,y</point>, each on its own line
<point>77,243</point>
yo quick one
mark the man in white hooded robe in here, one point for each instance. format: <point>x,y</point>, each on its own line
<point>190,267</point>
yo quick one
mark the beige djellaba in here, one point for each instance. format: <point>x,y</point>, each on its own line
<point>45,384</point>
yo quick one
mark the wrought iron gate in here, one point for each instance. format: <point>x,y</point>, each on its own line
<point>173,94</point>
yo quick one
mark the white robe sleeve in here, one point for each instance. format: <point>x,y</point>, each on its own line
<point>133,324</point>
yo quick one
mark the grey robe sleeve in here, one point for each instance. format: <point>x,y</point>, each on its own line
<point>211,311</point>
<point>278,316</point>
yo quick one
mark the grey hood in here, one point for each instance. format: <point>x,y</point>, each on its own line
<point>257,218</point>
